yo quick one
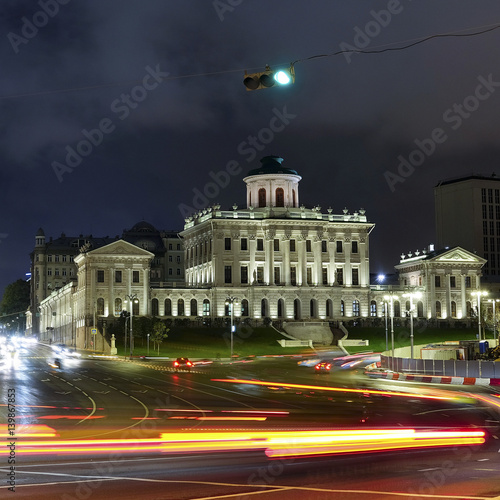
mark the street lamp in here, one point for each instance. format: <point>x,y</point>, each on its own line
<point>230,302</point>
<point>391,298</point>
<point>386,336</point>
<point>494,301</point>
<point>417,295</point>
<point>132,298</point>
<point>478,294</point>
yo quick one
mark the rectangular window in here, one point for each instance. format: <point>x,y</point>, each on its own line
<point>492,225</point>
<point>354,247</point>
<point>244,274</point>
<point>64,272</point>
<point>483,195</point>
<point>324,273</point>
<point>277,276</point>
<point>72,258</point>
<point>49,258</point>
<point>453,282</point>
<point>178,272</point>
<point>484,211</point>
<point>276,245</point>
<point>178,246</point>
<point>485,227</point>
<point>170,258</point>
<point>490,211</point>
<point>227,274</point>
<point>355,276</point>
<point>49,271</point>
<point>260,274</point>
<point>497,212</point>
<point>492,245</point>
<point>64,258</point>
<point>170,246</point>
<point>497,196</point>
<point>100,276</point>
<point>293,276</point>
<point>56,271</point>
<point>490,195</point>
<point>485,244</point>
<point>309,275</point>
<point>292,246</point>
<point>244,244</point>
<point>308,245</point>
<point>56,258</point>
<point>260,244</point>
<point>118,276</point>
<point>437,281</point>
<point>135,276</point>
<point>324,246</point>
<point>340,276</point>
<point>71,273</point>
<point>227,243</point>
<point>170,271</point>
<point>178,259</point>
<point>339,246</point>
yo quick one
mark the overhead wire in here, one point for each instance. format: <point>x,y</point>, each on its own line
<point>375,50</point>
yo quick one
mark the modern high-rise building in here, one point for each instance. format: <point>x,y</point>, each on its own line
<point>468,215</point>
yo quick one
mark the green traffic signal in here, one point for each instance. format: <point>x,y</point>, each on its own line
<point>269,78</point>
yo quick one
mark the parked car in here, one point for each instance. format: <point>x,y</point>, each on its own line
<point>182,364</point>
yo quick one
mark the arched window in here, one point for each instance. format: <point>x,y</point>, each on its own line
<point>329,308</point>
<point>227,309</point>
<point>118,306</point>
<point>244,307</point>
<point>154,307</point>
<point>281,308</point>
<point>135,307</point>
<point>407,306</point>
<point>373,309</point>
<point>100,306</point>
<point>355,307</point>
<point>297,314</point>
<point>438,309</point>
<point>342,308</point>
<point>397,309</point>
<point>293,198</point>
<point>264,308</point>
<point>194,307</point>
<point>262,197</point>
<point>468,307</point>
<point>206,307</point>
<point>420,309</point>
<point>280,197</point>
<point>453,309</point>
<point>180,307</point>
<point>313,308</point>
<point>168,307</point>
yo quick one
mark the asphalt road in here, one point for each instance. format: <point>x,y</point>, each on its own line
<point>97,399</point>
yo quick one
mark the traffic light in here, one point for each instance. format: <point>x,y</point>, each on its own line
<point>269,78</point>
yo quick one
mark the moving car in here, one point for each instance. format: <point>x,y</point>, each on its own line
<point>182,364</point>
<point>323,367</point>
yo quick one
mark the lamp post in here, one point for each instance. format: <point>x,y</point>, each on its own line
<point>386,336</point>
<point>417,295</point>
<point>391,298</point>
<point>494,301</point>
<point>148,344</point>
<point>478,294</point>
<point>230,302</point>
<point>132,298</point>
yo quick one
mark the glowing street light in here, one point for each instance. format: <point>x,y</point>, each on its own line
<point>494,301</point>
<point>132,298</point>
<point>391,298</point>
<point>478,294</point>
<point>230,302</point>
<point>417,295</point>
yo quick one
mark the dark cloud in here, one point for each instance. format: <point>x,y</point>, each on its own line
<point>353,117</point>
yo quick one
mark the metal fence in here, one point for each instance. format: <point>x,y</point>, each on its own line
<point>443,367</point>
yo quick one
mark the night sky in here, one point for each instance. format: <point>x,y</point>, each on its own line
<point>155,88</point>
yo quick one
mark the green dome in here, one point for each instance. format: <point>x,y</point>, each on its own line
<point>272,165</point>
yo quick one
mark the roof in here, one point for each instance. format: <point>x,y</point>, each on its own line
<point>272,165</point>
<point>492,177</point>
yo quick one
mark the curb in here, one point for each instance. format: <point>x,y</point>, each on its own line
<point>431,379</point>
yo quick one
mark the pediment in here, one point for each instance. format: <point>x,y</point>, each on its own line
<point>459,255</point>
<point>121,247</point>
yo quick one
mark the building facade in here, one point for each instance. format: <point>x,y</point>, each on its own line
<point>467,213</point>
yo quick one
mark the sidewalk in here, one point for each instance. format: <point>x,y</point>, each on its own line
<point>374,371</point>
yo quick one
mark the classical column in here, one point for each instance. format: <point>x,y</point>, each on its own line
<point>463,295</point>
<point>317,274</point>
<point>269,259</point>
<point>347,267</point>
<point>285,252</point>
<point>252,270</point>
<point>331,253</point>
<point>364,279</point>
<point>448,294</point>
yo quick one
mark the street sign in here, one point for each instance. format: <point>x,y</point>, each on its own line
<point>93,331</point>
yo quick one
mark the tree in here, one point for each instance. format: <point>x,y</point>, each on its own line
<point>15,301</point>
<point>160,333</point>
